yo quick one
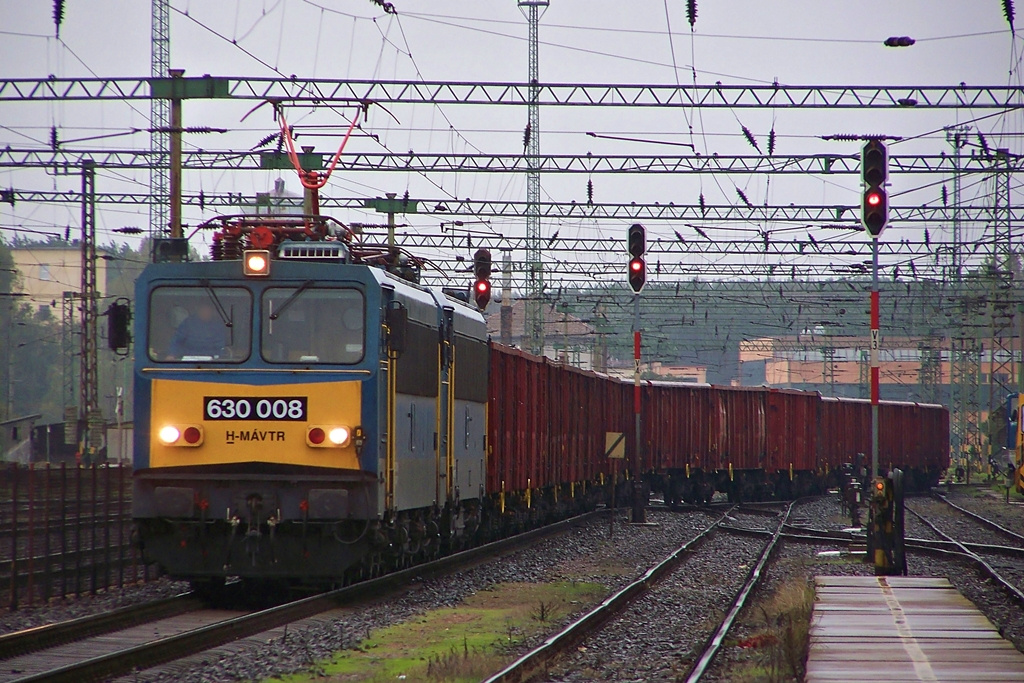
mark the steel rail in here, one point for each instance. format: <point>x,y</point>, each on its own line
<point>59,633</point>
<point>197,640</point>
<point>982,520</point>
<point>552,647</point>
<point>713,645</point>
<point>985,566</point>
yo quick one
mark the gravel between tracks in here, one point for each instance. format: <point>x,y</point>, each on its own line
<point>581,553</point>
<point>655,638</point>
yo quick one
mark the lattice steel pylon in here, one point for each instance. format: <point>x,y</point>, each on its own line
<point>90,413</point>
<point>533,332</point>
<point>68,333</point>
<point>929,376</point>
<point>828,357</point>
<point>965,351</point>
<point>1003,274</point>
<point>159,120</point>
<point>965,366</point>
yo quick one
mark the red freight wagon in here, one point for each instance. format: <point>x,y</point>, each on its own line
<point>548,421</point>
<point>792,431</point>
<point>834,437</point>
<point>739,416</point>
<point>675,425</point>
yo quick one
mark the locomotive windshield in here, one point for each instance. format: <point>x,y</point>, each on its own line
<point>306,324</point>
<point>200,324</point>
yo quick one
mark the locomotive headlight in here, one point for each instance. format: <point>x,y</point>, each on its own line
<point>332,436</point>
<point>169,434</point>
<point>190,436</point>
<point>339,436</point>
<point>256,262</point>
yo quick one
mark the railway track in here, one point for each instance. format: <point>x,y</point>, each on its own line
<point>984,521</point>
<point>715,642</point>
<point>178,628</point>
<point>979,554</point>
<point>21,643</point>
<point>541,657</point>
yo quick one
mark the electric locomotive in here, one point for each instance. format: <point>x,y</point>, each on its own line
<point>305,411</point>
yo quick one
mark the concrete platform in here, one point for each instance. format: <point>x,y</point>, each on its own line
<point>897,628</point>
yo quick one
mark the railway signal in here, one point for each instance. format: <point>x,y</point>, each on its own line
<point>482,273</point>
<point>874,169</point>
<point>637,269</point>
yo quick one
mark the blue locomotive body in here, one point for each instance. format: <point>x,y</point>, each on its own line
<point>307,421</point>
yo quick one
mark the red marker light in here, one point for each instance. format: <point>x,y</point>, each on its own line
<point>316,435</point>
<point>192,435</point>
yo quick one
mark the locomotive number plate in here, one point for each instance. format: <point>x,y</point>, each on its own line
<point>280,408</point>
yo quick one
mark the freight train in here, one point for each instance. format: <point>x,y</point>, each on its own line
<point>307,413</point>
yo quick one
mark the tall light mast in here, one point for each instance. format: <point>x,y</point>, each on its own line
<point>160,114</point>
<point>533,332</point>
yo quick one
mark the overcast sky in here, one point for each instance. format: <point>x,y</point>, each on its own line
<point>799,42</point>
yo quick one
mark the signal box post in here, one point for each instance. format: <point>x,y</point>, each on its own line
<point>637,275</point>
<point>874,168</point>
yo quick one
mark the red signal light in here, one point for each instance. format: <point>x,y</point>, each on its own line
<point>482,293</point>
<point>874,199</point>
<point>637,274</point>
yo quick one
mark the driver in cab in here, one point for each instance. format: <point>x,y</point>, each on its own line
<point>202,335</point>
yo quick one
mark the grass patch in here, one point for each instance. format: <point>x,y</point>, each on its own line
<point>464,643</point>
<point>780,638</point>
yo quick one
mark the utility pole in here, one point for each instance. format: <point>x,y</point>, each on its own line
<point>506,298</point>
<point>392,204</point>
<point>9,412</point>
<point>534,324</point>
<point>160,62</point>
<point>175,179</point>
<point>68,333</point>
<point>90,415</point>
